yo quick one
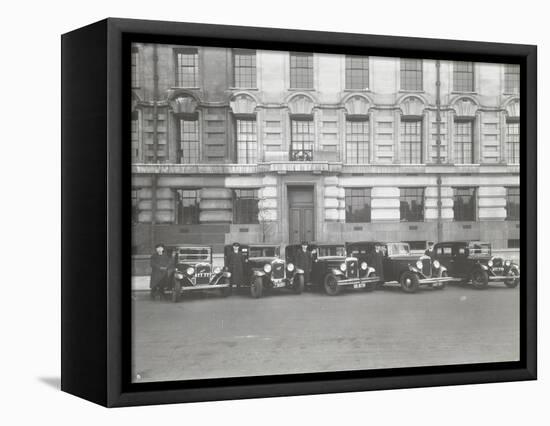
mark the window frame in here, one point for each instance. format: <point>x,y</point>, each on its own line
<point>189,118</point>
<point>350,216</point>
<point>516,211</point>
<point>511,87</point>
<point>307,147</point>
<point>404,197</point>
<point>294,75</point>
<point>248,218</point>
<point>363,70</point>
<point>459,122</point>
<point>403,125</point>
<point>457,82</point>
<point>512,145</point>
<point>178,199</point>
<point>196,67</point>
<point>362,146</point>
<point>254,79</point>
<point>474,199</point>
<point>238,141</point>
<point>134,64</point>
<point>403,77</point>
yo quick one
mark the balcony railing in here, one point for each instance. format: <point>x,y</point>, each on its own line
<point>301,155</point>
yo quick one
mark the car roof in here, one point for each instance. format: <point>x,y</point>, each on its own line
<point>190,246</point>
<point>461,242</point>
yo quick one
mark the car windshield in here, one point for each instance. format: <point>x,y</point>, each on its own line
<point>199,254</point>
<point>479,249</point>
<point>272,251</point>
<point>395,249</point>
<point>331,251</point>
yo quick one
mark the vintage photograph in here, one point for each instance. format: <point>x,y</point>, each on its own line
<point>302,212</point>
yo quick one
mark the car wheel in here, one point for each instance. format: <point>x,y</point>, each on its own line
<point>480,278</point>
<point>298,286</point>
<point>331,285</point>
<point>176,292</point>
<point>256,288</point>
<point>512,283</point>
<point>371,286</point>
<point>409,282</point>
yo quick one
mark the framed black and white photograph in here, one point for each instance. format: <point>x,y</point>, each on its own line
<point>291,212</point>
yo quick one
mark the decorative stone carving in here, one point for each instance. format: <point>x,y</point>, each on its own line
<point>513,109</point>
<point>412,106</point>
<point>300,105</point>
<point>465,108</point>
<point>243,104</point>
<point>357,105</point>
<point>183,105</point>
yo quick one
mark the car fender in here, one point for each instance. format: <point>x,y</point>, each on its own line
<point>298,271</point>
<point>484,267</point>
<point>370,271</point>
<point>337,272</point>
<point>185,279</point>
<point>413,269</point>
<point>258,273</point>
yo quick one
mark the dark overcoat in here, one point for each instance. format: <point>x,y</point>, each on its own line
<point>377,262</point>
<point>304,261</point>
<point>236,267</point>
<point>160,269</point>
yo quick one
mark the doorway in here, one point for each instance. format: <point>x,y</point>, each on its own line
<point>301,214</point>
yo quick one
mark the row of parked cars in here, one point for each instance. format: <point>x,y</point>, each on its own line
<point>336,267</point>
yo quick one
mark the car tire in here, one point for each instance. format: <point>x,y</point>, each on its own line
<point>512,283</point>
<point>371,286</point>
<point>176,291</point>
<point>409,282</point>
<point>480,279</point>
<point>331,285</point>
<point>256,288</point>
<point>298,284</point>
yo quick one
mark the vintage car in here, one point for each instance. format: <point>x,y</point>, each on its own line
<point>472,261</point>
<point>399,265</point>
<point>333,270</point>
<point>264,270</point>
<point>193,271</point>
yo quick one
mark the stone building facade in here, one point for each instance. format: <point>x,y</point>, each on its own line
<point>249,146</point>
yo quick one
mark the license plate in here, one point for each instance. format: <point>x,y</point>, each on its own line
<point>360,285</point>
<point>278,284</point>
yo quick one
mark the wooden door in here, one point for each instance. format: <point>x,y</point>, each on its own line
<point>301,216</point>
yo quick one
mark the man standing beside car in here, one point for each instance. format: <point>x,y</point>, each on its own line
<point>378,261</point>
<point>160,269</point>
<point>236,266</point>
<point>304,261</point>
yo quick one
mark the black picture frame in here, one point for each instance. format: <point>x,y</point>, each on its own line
<point>96,238</point>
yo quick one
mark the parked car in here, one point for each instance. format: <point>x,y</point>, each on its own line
<point>333,270</point>
<point>193,271</point>
<point>401,266</point>
<point>473,261</point>
<point>264,270</point>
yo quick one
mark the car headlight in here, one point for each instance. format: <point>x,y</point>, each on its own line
<point>343,267</point>
<point>190,271</point>
<point>217,270</point>
<point>490,263</point>
<point>290,267</point>
<point>178,275</point>
<point>267,268</point>
<point>507,263</point>
<point>364,266</point>
<point>436,264</point>
<point>419,264</point>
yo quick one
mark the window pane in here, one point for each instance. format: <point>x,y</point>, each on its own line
<point>411,74</point>
<point>135,205</point>
<point>511,78</point>
<point>412,204</point>
<point>187,68</point>
<point>245,206</point>
<point>512,142</point>
<point>135,80</point>
<point>357,141</point>
<point>358,205</point>
<point>187,206</point>
<point>302,135</point>
<point>357,72</point>
<point>247,145</point>
<point>411,142</point>
<point>245,68</point>
<point>189,149</point>
<point>464,205</point>
<point>134,136</point>
<point>301,70</point>
<point>463,142</point>
<point>463,76</point>
<point>512,203</point>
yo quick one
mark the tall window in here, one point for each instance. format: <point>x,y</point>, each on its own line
<point>464,142</point>
<point>301,70</point>
<point>512,141</point>
<point>134,133</point>
<point>302,138</point>
<point>512,203</point>
<point>244,61</point>
<point>411,141</point>
<point>463,77</point>
<point>135,67</point>
<point>135,205</point>
<point>187,69</point>
<point>411,74</point>
<point>357,141</point>
<point>464,206</point>
<point>245,206</point>
<point>189,148</point>
<point>358,205</point>
<point>511,78</point>
<point>411,204</point>
<point>357,72</point>
<point>247,140</point>
<point>187,206</point>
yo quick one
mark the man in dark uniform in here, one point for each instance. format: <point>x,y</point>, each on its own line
<point>160,270</point>
<point>430,250</point>
<point>304,261</point>
<point>235,263</point>
<point>378,261</point>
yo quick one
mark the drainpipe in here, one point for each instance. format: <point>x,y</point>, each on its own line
<point>155,144</point>
<point>438,146</point>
